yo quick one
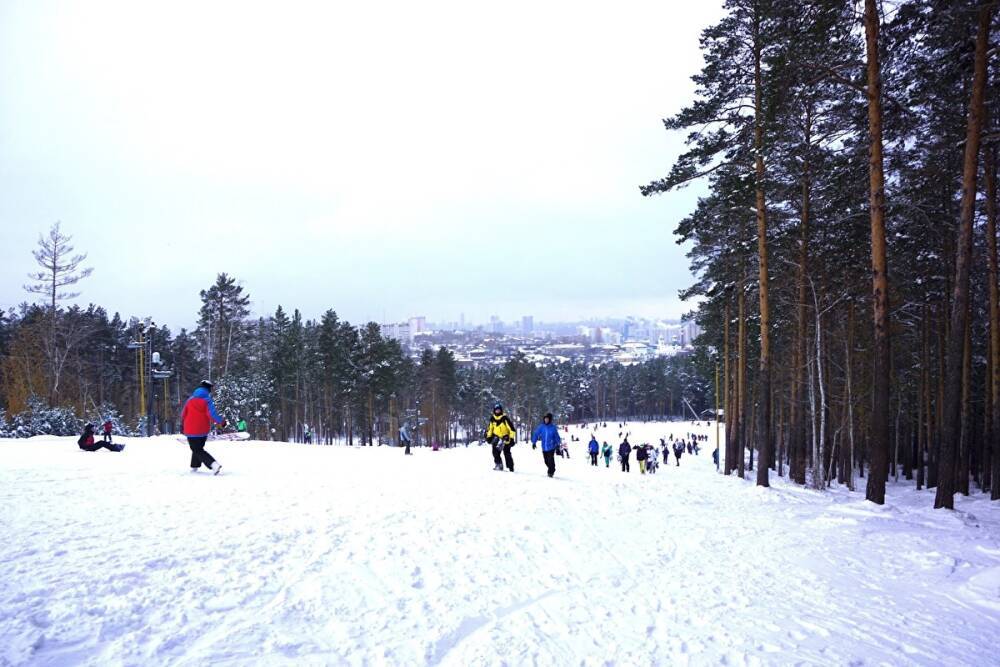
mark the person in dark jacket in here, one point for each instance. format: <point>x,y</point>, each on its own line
<point>666,450</point>
<point>640,456</point>
<point>86,441</point>
<point>197,417</point>
<point>624,450</point>
<point>594,449</point>
<point>678,451</point>
<point>405,440</point>
<point>500,435</point>
<point>548,434</point>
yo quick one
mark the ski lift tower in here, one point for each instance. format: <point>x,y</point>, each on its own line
<point>158,372</point>
<point>140,344</point>
<point>414,419</point>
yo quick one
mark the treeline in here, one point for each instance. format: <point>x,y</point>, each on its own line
<point>283,373</point>
<point>846,251</point>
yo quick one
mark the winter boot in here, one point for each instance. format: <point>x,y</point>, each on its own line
<point>216,468</point>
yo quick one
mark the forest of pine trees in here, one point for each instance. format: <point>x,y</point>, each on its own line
<point>283,373</point>
<point>846,248</point>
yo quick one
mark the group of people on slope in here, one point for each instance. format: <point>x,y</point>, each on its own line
<point>500,434</point>
<point>197,418</point>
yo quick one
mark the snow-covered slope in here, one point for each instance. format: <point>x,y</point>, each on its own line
<point>331,555</point>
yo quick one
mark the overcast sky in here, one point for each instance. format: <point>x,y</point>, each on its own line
<point>385,159</point>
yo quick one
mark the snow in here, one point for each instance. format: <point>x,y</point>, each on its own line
<point>331,555</point>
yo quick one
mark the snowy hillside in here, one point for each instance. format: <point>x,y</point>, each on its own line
<point>330,555</point>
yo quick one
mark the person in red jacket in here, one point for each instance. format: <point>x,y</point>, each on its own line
<point>107,430</point>
<point>197,417</point>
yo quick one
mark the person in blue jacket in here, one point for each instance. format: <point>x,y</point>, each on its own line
<point>594,449</point>
<point>548,434</point>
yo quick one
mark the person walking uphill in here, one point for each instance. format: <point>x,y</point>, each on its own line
<point>594,450</point>
<point>196,423</point>
<point>678,451</point>
<point>640,456</point>
<point>624,450</point>
<point>500,435</point>
<point>548,434</point>
<point>606,451</point>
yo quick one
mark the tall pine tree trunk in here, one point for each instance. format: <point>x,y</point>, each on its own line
<point>741,389</point>
<point>963,258</point>
<point>991,451</point>
<point>879,447</point>
<point>764,381</point>
<point>798,448</point>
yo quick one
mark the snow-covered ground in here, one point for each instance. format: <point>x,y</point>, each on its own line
<point>331,555</point>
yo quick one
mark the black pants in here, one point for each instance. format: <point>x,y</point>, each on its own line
<point>678,460</point>
<point>550,461</point>
<point>593,458</point>
<point>100,445</point>
<point>107,437</point>
<point>505,448</point>
<point>625,467</point>
<point>406,443</point>
<point>198,454</point>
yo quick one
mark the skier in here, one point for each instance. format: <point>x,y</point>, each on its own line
<point>500,435</point>
<point>87,444</point>
<point>606,451</point>
<point>196,423</point>
<point>678,451</point>
<point>548,434</point>
<point>640,456</point>
<point>107,431</point>
<point>594,449</point>
<point>404,439</point>
<point>624,450</point>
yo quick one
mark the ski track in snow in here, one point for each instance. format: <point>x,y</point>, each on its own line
<point>333,555</point>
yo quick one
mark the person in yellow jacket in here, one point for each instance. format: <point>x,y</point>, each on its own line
<point>500,435</point>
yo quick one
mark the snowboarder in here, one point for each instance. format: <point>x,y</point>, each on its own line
<point>500,435</point>
<point>404,439</point>
<point>196,423</point>
<point>594,449</point>
<point>624,450</point>
<point>87,444</point>
<point>606,451</point>
<point>548,434</point>
<point>640,456</point>
<point>678,451</point>
<point>241,425</point>
<point>107,430</point>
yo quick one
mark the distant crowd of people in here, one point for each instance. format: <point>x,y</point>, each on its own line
<point>501,436</point>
